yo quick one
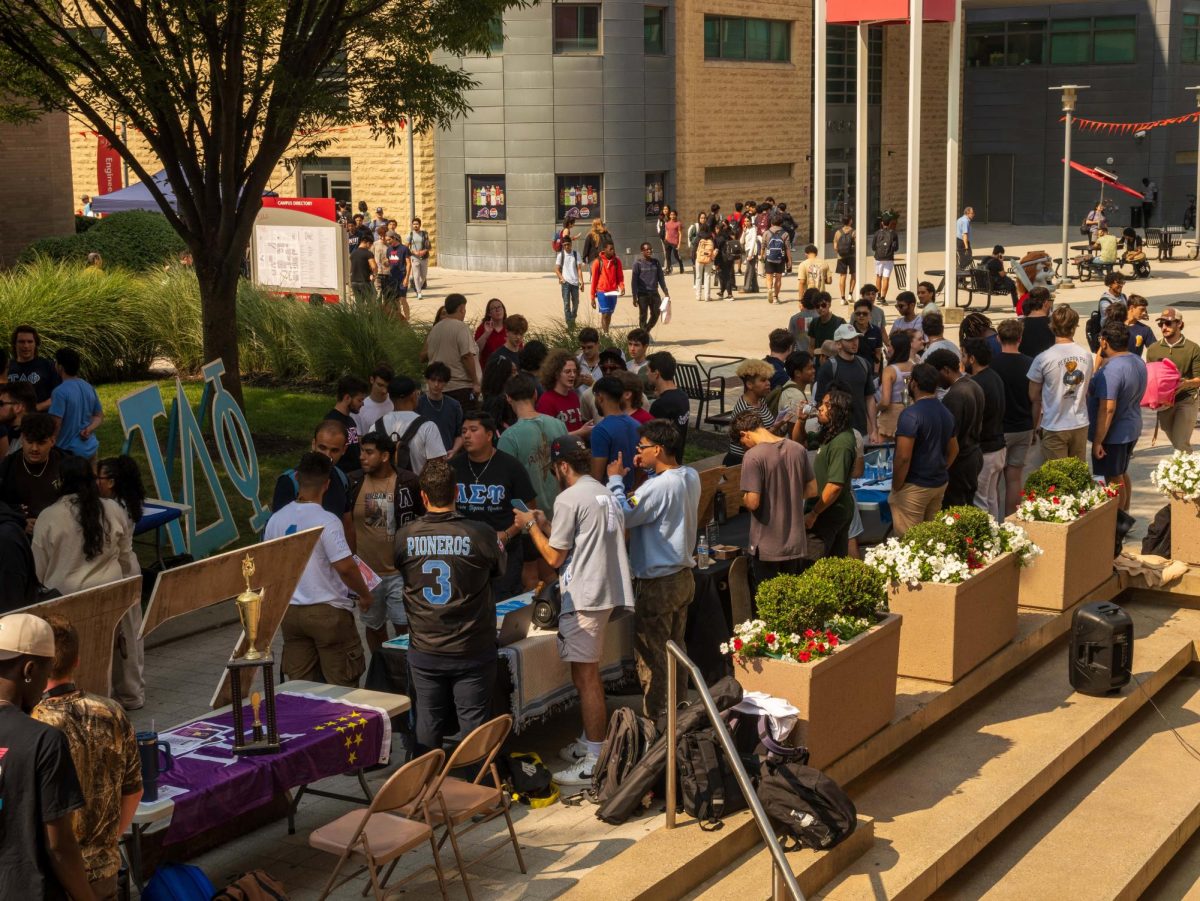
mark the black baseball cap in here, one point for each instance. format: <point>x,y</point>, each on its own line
<point>563,445</point>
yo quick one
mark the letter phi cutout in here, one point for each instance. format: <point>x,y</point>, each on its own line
<point>185,438</point>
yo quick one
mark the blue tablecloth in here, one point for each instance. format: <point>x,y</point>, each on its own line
<point>155,517</point>
<point>874,492</point>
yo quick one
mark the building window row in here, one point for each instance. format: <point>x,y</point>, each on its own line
<point>841,64</point>
<point>575,195</point>
<point>754,40</point>
<point>1190,49</point>
<point>1058,42</point>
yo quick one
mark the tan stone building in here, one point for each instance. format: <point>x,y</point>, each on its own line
<point>36,165</point>
<point>712,102</point>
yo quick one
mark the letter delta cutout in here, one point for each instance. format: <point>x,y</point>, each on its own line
<point>139,412</point>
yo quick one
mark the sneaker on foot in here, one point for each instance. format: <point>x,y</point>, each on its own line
<point>578,775</point>
<point>574,752</point>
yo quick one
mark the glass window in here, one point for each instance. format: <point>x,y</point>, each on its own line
<point>576,28</point>
<point>1025,44</point>
<point>496,26</point>
<point>1070,42</point>
<point>655,34</point>
<point>1114,40</point>
<point>1190,47</point>
<point>759,40</point>
<point>841,64</point>
<point>334,80</point>
<point>656,192</point>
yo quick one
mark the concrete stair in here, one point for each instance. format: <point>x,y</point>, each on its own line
<point>954,790</point>
<point>1109,828</point>
<point>1180,879</point>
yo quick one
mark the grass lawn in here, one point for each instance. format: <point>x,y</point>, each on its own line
<point>281,423</point>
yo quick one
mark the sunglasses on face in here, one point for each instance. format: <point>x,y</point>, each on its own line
<point>642,448</point>
<point>1168,321</point>
<point>862,313</point>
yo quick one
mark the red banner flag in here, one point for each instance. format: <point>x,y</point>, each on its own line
<point>108,167</point>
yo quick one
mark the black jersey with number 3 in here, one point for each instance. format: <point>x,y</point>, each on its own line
<point>448,563</point>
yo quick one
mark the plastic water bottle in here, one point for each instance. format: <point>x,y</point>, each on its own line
<point>702,551</point>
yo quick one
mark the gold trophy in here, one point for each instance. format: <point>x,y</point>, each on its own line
<point>249,608</point>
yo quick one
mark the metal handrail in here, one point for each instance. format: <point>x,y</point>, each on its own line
<point>782,877</point>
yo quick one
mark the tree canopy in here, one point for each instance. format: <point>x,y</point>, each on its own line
<point>221,90</point>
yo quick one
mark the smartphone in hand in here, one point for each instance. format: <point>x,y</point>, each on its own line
<point>519,504</point>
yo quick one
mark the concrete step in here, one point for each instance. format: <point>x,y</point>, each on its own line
<point>750,878</point>
<point>1110,827</point>
<point>1180,879</point>
<point>954,790</point>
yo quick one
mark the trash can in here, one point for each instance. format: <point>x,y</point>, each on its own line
<point>1135,216</point>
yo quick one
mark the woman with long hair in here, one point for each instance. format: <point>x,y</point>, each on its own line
<point>120,480</point>
<point>597,239</point>
<point>833,511</point>
<point>559,397</point>
<point>490,335</point>
<point>893,389</point>
<point>693,236</point>
<point>495,374</point>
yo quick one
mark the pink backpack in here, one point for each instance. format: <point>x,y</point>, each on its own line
<point>1162,380</point>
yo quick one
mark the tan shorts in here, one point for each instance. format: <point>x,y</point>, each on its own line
<point>1017,446</point>
<point>581,635</point>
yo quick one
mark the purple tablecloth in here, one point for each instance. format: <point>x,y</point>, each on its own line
<point>320,737</point>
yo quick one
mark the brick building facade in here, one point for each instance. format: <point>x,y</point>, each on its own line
<point>37,190</point>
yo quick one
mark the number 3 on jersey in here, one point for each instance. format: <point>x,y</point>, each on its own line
<point>441,571</point>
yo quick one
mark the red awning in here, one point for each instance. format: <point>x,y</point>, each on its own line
<point>1105,178</point>
<point>884,12</point>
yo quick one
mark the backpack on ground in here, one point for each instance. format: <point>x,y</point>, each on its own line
<point>704,252</point>
<point>402,455</point>
<point>844,243</point>
<point>178,882</point>
<point>1162,381</point>
<point>625,743</point>
<point>776,251</point>
<point>708,788</point>
<point>1158,534</point>
<point>256,885</point>
<point>805,805</point>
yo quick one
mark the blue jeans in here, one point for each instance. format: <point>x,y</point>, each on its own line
<point>570,296</point>
<point>387,603</point>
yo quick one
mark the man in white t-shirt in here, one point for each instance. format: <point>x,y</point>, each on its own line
<point>377,403</point>
<point>1058,383</point>
<point>320,638</point>
<point>566,267</point>
<point>587,541</point>
<point>421,442</point>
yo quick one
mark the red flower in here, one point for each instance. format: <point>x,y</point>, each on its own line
<point>738,644</point>
<point>770,638</point>
<point>970,540</point>
<point>804,656</point>
<point>1053,489</point>
<point>811,645</point>
<point>833,641</point>
<point>1055,500</point>
<point>821,648</point>
<point>955,515</point>
<point>809,633</point>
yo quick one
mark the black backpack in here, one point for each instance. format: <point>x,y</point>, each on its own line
<point>708,788</point>
<point>844,243</point>
<point>805,805</point>
<point>883,243</point>
<point>1092,329</point>
<point>402,455</point>
<point>731,250</point>
<point>625,744</point>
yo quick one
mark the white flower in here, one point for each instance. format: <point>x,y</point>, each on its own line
<point>724,647</point>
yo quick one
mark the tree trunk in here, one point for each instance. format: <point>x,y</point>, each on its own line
<point>219,321</point>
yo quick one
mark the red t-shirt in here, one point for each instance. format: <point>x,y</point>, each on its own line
<point>493,344</point>
<point>642,416</point>
<point>565,409</point>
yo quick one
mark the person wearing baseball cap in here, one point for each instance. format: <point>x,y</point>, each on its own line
<point>39,857</point>
<point>586,543</point>
<point>853,373</point>
<point>1178,420</point>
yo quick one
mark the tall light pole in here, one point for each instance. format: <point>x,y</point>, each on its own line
<point>1196,88</point>
<point>1070,93</point>
<point>912,224</point>
<point>954,100</point>
<point>818,127</point>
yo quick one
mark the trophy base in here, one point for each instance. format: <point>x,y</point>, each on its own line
<point>263,659</point>
<point>257,747</point>
<point>258,744</point>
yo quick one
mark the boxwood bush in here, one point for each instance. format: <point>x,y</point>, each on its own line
<point>970,522</point>
<point>832,587</point>
<point>929,535</point>
<point>1069,475</point>
<point>136,240</point>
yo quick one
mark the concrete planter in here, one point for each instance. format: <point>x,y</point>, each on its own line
<point>843,699</point>
<point>1075,558</point>
<point>1185,531</point>
<point>950,629</point>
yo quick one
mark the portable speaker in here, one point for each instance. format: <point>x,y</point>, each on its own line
<point>547,604</point>
<point>1101,649</point>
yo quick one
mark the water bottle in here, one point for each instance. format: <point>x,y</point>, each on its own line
<point>702,551</point>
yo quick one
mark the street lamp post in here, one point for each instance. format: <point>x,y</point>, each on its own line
<point>1069,96</point>
<point>1196,88</point>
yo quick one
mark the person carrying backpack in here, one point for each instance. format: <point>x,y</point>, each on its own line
<point>885,243</point>
<point>693,236</point>
<point>729,255</point>
<point>844,245</point>
<point>776,256</point>
<point>703,253</point>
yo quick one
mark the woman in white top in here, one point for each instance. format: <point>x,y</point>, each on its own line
<point>751,245</point>
<point>893,389</point>
<point>120,480</point>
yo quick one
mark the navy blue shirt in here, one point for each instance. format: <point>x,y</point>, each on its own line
<point>931,426</point>
<point>613,435</point>
<point>780,376</point>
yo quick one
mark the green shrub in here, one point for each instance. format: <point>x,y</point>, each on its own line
<point>1069,475</point>
<point>137,240</point>
<point>832,587</point>
<point>83,223</point>
<point>558,334</point>
<point>970,522</point>
<point>99,314</point>
<point>929,535</point>
<point>355,337</point>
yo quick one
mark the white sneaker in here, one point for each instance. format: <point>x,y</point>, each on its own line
<point>574,752</point>
<point>578,775</point>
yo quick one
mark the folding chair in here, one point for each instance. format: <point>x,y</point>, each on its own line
<point>454,801</point>
<point>380,835</point>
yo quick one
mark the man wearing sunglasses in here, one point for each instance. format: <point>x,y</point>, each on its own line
<point>1178,420</point>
